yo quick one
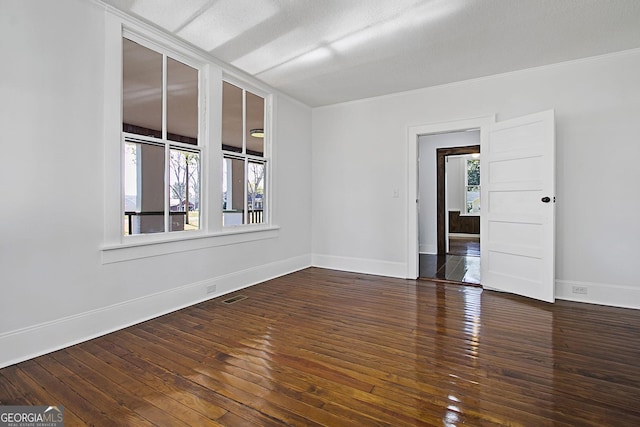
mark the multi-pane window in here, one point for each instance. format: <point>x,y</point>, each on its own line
<point>244,166</point>
<point>161,148</point>
<point>472,185</point>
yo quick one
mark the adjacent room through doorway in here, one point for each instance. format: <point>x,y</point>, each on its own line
<point>455,256</point>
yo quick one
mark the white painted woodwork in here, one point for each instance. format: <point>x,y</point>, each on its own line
<point>518,229</point>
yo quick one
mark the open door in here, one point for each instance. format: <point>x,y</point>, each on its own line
<point>518,206</point>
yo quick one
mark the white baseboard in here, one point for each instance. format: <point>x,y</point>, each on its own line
<point>599,293</point>
<point>361,265</point>
<point>36,340</point>
<point>425,248</point>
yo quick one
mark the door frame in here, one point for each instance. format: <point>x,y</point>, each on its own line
<point>413,134</point>
<point>441,190</point>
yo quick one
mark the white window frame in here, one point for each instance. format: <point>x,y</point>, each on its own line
<point>164,141</point>
<point>246,158</point>
<point>118,247</point>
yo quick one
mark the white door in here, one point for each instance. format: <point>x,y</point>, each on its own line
<point>518,206</point>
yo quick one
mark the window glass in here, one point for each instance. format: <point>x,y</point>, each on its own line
<point>255,125</point>
<point>184,172</point>
<point>161,166</point>
<point>233,191</point>
<point>232,118</point>
<point>245,164</point>
<point>143,188</point>
<point>141,90</point>
<point>472,186</point>
<point>255,192</point>
<point>182,102</point>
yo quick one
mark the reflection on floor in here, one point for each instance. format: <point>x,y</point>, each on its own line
<point>464,246</point>
<point>462,264</point>
<point>453,268</point>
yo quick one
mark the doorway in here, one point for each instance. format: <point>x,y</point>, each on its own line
<point>518,192</point>
<point>457,220</point>
<point>422,198</point>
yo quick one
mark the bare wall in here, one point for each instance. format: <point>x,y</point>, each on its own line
<point>55,288</point>
<point>360,158</point>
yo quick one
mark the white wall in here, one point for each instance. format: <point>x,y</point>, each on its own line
<point>360,156</point>
<point>427,175</point>
<point>455,183</point>
<point>55,288</point>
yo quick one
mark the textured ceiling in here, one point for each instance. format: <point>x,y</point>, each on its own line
<point>328,51</point>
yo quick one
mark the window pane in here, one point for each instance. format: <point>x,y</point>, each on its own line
<point>232,192</point>
<point>232,126</point>
<point>184,188</point>
<point>144,188</point>
<point>473,172</point>
<point>141,90</point>
<point>255,192</point>
<point>255,125</point>
<point>131,202</point>
<point>182,102</point>
<point>473,199</point>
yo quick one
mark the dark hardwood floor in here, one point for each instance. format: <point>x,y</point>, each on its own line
<point>461,264</point>
<point>450,268</point>
<point>464,246</point>
<point>321,347</point>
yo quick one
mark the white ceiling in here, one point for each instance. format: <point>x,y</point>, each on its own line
<point>328,51</point>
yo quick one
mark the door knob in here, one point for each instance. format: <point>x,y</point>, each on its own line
<point>546,199</point>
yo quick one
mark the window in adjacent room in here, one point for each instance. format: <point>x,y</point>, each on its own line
<point>244,166</point>
<point>472,185</point>
<point>161,146</point>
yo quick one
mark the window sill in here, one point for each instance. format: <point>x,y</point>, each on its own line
<point>150,248</point>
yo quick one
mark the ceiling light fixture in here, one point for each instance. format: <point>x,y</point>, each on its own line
<point>257,133</point>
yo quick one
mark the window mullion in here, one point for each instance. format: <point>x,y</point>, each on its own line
<point>244,121</point>
<point>246,191</point>
<point>244,152</point>
<point>167,152</point>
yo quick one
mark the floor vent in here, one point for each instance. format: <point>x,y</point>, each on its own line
<point>234,299</point>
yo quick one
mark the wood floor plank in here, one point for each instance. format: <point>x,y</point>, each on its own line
<point>67,372</point>
<point>186,386</point>
<point>192,401</point>
<point>31,393</point>
<point>62,394</point>
<point>325,348</point>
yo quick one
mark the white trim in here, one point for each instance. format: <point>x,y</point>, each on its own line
<point>599,293</point>
<point>413,132</point>
<point>112,122</point>
<point>188,241</point>
<point>212,186</point>
<point>360,265</point>
<point>428,249</point>
<point>36,340</point>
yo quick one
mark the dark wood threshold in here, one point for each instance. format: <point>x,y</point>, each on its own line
<point>449,282</point>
